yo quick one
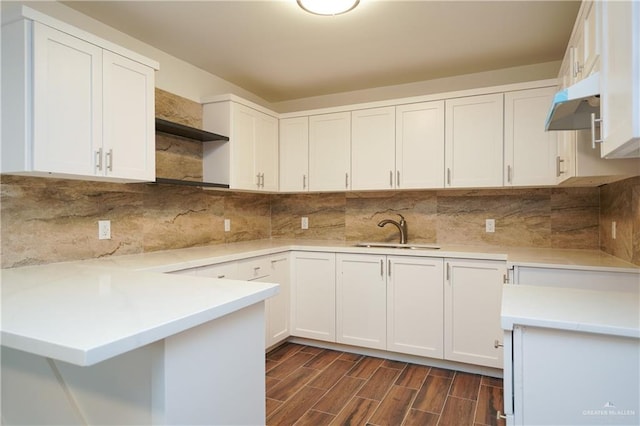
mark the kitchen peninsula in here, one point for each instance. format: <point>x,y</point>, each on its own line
<point>103,345</point>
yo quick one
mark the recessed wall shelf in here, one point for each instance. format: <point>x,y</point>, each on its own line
<point>176,129</point>
<point>171,128</point>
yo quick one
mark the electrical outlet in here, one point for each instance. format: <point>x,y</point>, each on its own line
<point>613,230</point>
<point>305,223</point>
<point>104,229</point>
<point>490,225</point>
<point>227,225</point>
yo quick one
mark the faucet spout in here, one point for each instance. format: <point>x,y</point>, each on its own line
<point>402,227</point>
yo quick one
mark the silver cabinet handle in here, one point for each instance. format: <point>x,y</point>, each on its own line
<point>99,159</point>
<point>346,180</point>
<point>559,170</point>
<point>109,158</point>
<point>497,344</point>
<point>221,276</point>
<point>390,178</point>
<point>381,268</point>
<point>304,181</point>
<point>448,272</point>
<point>278,260</point>
<point>258,179</point>
<point>509,174</point>
<point>389,267</point>
<point>256,268</point>
<point>500,416</point>
<point>448,176</point>
<point>398,179</point>
<point>594,120</point>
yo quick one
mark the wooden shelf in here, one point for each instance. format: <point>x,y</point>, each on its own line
<point>176,129</point>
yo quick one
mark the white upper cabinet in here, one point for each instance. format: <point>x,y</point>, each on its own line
<point>78,110</point>
<point>294,154</point>
<point>420,145</point>
<point>329,152</point>
<point>250,160</point>
<point>373,148</point>
<point>474,141</point>
<point>530,151</point>
<point>620,79</point>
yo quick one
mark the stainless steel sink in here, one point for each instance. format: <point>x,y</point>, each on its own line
<point>399,246</point>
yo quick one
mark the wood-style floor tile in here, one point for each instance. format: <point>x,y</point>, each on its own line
<point>457,411</point>
<point>394,364</point>
<point>284,351</point>
<point>421,418</point>
<point>272,405</point>
<point>492,381</point>
<point>335,400</point>
<point>433,394</point>
<point>465,385</point>
<point>291,384</point>
<point>315,418</point>
<point>312,350</point>
<point>323,359</point>
<point>490,401</point>
<point>296,407</point>
<point>356,412</point>
<point>393,407</point>
<point>290,364</point>
<point>413,376</point>
<point>365,367</point>
<point>351,357</point>
<point>441,372</point>
<point>330,375</point>
<point>378,385</point>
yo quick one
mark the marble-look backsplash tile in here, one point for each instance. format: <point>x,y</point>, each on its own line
<point>178,109</point>
<point>326,213</point>
<point>620,202</point>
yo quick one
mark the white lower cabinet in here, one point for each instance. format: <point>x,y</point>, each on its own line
<point>313,295</point>
<point>277,308</point>
<point>390,302</point>
<point>472,303</point>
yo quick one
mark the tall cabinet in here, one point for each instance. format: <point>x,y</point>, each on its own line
<point>81,108</point>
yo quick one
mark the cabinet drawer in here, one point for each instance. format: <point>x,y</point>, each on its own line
<point>228,270</point>
<point>254,268</point>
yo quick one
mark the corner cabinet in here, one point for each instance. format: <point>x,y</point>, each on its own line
<point>250,161</point>
<point>79,110</point>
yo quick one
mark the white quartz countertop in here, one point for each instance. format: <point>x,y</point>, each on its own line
<point>589,311</point>
<point>86,314</point>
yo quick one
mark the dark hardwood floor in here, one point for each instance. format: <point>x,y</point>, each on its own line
<point>313,386</point>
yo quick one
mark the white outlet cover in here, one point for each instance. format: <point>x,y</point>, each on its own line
<point>104,229</point>
<point>490,225</point>
<point>227,225</point>
<point>305,223</point>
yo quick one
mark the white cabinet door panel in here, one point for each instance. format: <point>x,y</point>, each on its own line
<point>266,151</point>
<point>294,154</point>
<point>242,140</point>
<point>329,152</point>
<point>373,148</point>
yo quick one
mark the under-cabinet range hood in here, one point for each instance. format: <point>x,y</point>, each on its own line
<point>572,107</point>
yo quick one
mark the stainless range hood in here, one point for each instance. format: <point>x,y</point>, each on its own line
<point>572,107</point>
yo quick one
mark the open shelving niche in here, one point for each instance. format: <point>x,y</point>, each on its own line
<point>175,129</point>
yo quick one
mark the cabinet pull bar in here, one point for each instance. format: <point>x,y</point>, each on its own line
<point>99,159</point>
<point>278,260</point>
<point>381,268</point>
<point>109,157</point>
<point>304,181</point>
<point>448,272</point>
<point>398,179</point>
<point>390,178</point>
<point>258,179</point>
<point>346,180</point>
<point>389,267</point>
<point>595,120</point>
<point>500,416</point>
<point>559,170</point>
<point>448,176</point>
<point>509,174</point>
<point>497,344</point>
<point>505,279</point>
<point>221,276</point>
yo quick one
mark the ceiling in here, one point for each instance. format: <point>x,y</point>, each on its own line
<point>279,52</point>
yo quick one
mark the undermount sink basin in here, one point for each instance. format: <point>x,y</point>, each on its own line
<point>399,246</point>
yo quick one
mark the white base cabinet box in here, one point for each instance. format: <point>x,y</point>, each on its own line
<point>472,302</point>
<point>313,295</point>
<point>79,110</point>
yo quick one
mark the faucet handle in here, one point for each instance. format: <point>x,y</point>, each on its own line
<point>401,217</point>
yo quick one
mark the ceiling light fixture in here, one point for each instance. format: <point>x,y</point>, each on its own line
<point>328,7</point>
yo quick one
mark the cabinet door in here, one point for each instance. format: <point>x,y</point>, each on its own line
<point>620,79</point>
<point>474,141</point>
<point>294,154</point>
<point>277,308</point>
<point>530,151</point>
<point>266,151</point>
<point>242,140</point>
<point>414,306</point>
<point>313,295</point>
<point>361,296</point>
<point>590,36</point>
<point>473,295</point>
<point>128,119</point>
<point>329,152</point>
<point>373,148</point>
<point>67,104</point>
<point>420,145</point>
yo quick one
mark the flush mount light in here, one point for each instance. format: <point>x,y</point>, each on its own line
<point>328,7</point>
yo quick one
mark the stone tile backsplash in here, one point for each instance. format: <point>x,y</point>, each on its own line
<point>52,220</point>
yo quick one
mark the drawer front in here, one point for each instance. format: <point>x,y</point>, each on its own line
<point>254,268</point>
